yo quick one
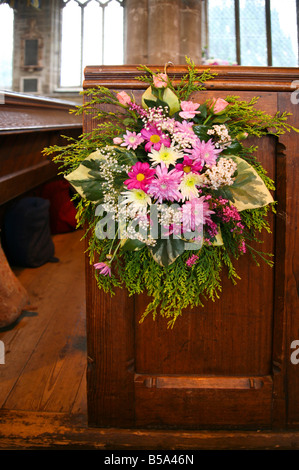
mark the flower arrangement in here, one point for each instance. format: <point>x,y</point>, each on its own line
<point>167,191</point>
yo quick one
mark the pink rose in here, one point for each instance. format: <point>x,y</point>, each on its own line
<point>123,98</point>
<point>218,105</point>
<point>160,80</point>
<point>117,140</point>
<point>188,109</point>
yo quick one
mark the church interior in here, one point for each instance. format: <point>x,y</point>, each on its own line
<point>78,370</point>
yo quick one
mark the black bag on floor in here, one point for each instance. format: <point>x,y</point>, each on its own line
<point>27,234</point>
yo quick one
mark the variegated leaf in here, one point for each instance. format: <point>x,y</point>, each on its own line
<point>248,190</point>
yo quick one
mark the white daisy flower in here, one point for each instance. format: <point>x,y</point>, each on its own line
<point>188,185</point>
<point>137,197</point>
<point>166,155</point>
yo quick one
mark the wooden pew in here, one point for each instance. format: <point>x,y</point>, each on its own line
<point>227,365</point>
<point>28,124</point>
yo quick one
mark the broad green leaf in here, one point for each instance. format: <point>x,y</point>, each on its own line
<point>248,190</point>
<point>234,147</point>
<point>150,103</point>
<point>203,110</point>
<point>88,189</point>
<point>201,132</point>
<point>87,179</point>
<point>220,119</point>
<point>124,156</point>
<point>169,97</point>
<point>128,244</point>
<point>87,185</point>
<point>166,251</point>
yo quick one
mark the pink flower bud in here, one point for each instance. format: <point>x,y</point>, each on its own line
<point>242,136</point>
<point>123,98</point>
<point>117,140</point>
<point>160,80</point>
<point>218,105</point>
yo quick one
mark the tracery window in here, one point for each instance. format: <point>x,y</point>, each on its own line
<point>254,32</point>
<point>92,34</point>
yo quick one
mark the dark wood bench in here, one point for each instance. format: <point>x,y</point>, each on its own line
<point>28,124</point>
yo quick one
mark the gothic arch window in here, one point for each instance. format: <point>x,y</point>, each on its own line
<point>254,32</point>
<point>6,53</point>
<point>92,34</point>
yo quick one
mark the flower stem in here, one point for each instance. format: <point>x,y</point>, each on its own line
<point>208,118</point>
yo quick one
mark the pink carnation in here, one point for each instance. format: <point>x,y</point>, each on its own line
<point>188,109</point>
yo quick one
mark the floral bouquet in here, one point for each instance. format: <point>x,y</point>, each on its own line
<point>166,190</point>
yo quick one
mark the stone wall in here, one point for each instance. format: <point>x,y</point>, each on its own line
<point>43,26</point>
<point>156,32</point>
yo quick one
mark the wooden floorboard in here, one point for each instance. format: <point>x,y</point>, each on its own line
<point>45,352</point>
<point>43,385</point>
<point>54,431</point>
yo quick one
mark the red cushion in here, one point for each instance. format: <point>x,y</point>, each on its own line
<point>62,208</point>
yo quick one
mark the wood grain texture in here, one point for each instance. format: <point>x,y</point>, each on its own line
<point>238,78</point>
<point>28,125</point>
<point>112,399</point>
<point>244,334</point>
<point>289,275</point>
<point>25,113</point>
<point>45,352</point>
<point>57,431</point>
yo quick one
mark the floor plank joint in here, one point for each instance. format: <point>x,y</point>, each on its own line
<point>43,401</point>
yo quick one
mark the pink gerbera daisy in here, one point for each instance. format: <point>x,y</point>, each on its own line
<point>204,152</point>
<point>165,186</point>
<point>140,176</point>
<point>104,268</point>
<point>131,140</point>
<point>155,138</point>
<point>196,213</point>
<point>189,165</point>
